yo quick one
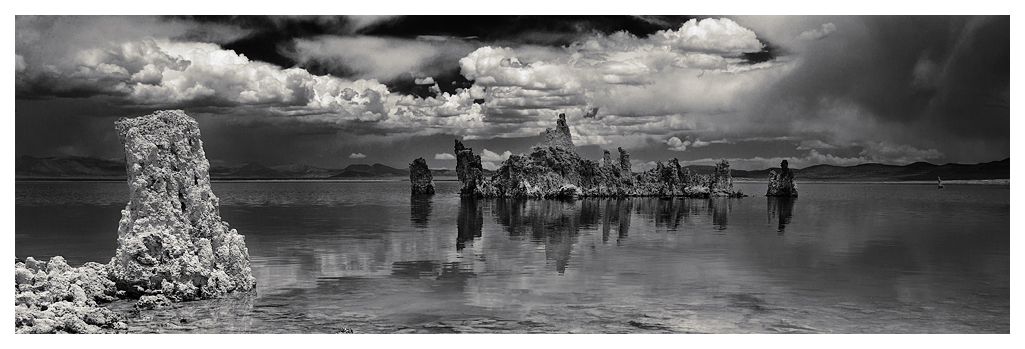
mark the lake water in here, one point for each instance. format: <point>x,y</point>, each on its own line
<point>331,257</point>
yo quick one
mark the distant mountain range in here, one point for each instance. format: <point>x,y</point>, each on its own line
<point>919,171</point>
<point>72,167</point>
<point>253,170</point>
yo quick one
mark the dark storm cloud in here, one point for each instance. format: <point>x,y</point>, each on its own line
<point>899,88</point>
<point>267,35</point>
<point>768,53</point>
<point>519,30</point>
<point>69,127</point>
<point>953,72</point>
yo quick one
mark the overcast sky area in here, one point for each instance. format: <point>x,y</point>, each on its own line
<point>335,91</point>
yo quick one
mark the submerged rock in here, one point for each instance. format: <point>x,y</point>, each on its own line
<point>782,183</point>
<point>420,178</point>
<point>553,169</point>
<point>171,239</point>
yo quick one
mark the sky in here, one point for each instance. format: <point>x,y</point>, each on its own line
<point>331,91</point>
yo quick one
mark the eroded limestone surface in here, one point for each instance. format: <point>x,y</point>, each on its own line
<point>171,239</point>
<point>53,297</point>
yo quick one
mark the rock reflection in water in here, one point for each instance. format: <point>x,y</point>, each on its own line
<point>431,270</point>
<point>554,223</point>
<point>617,212</point>
<point>557,223</point>
<point>470,222</point>
<point>720,208</point>
<point>781,208</point>
<point>420,210</point>
<point>670,213</point>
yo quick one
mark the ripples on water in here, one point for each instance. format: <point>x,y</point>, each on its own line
<point>332,257</point>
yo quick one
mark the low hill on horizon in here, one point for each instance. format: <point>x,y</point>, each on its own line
<point>74,167</point>
<point>918,171</point>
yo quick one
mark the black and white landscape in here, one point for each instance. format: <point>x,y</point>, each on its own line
<point>268,185</point>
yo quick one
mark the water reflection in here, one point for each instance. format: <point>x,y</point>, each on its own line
<point>470,222</point>
<point>861,258</point>
<point>233,313</point>
<point>555,224</point>
<point>617,212</point>
<point>420,210</point>
<point>720,208</point>
<point>666,212</point>
<point>781,208</point>
<point>431,270</point>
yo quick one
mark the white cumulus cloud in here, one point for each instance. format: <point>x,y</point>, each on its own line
<point>818,33</point>
<point>357,156</point>
<point>675,144</point>
<point>711,35</point>
<point>444,156</point>
<point>673,80</point>
<point>488,165</point>
<point>488,155</point>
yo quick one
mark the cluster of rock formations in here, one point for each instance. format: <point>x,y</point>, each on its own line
<point>782,183</point>
<point>172,243</point>
<point>553,169</point>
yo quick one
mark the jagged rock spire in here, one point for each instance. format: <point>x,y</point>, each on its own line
<point>560,136</point>
<point>468,168</point>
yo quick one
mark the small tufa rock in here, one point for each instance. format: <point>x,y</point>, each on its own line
<point>782,183</point>
<point>468,169</point>
<point>152,302</point>
<point>721,183</point>
<point>420,178</point>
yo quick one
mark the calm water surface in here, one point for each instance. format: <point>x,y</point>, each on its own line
<point>366,256</point>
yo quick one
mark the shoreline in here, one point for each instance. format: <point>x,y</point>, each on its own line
<point>998,181</point>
